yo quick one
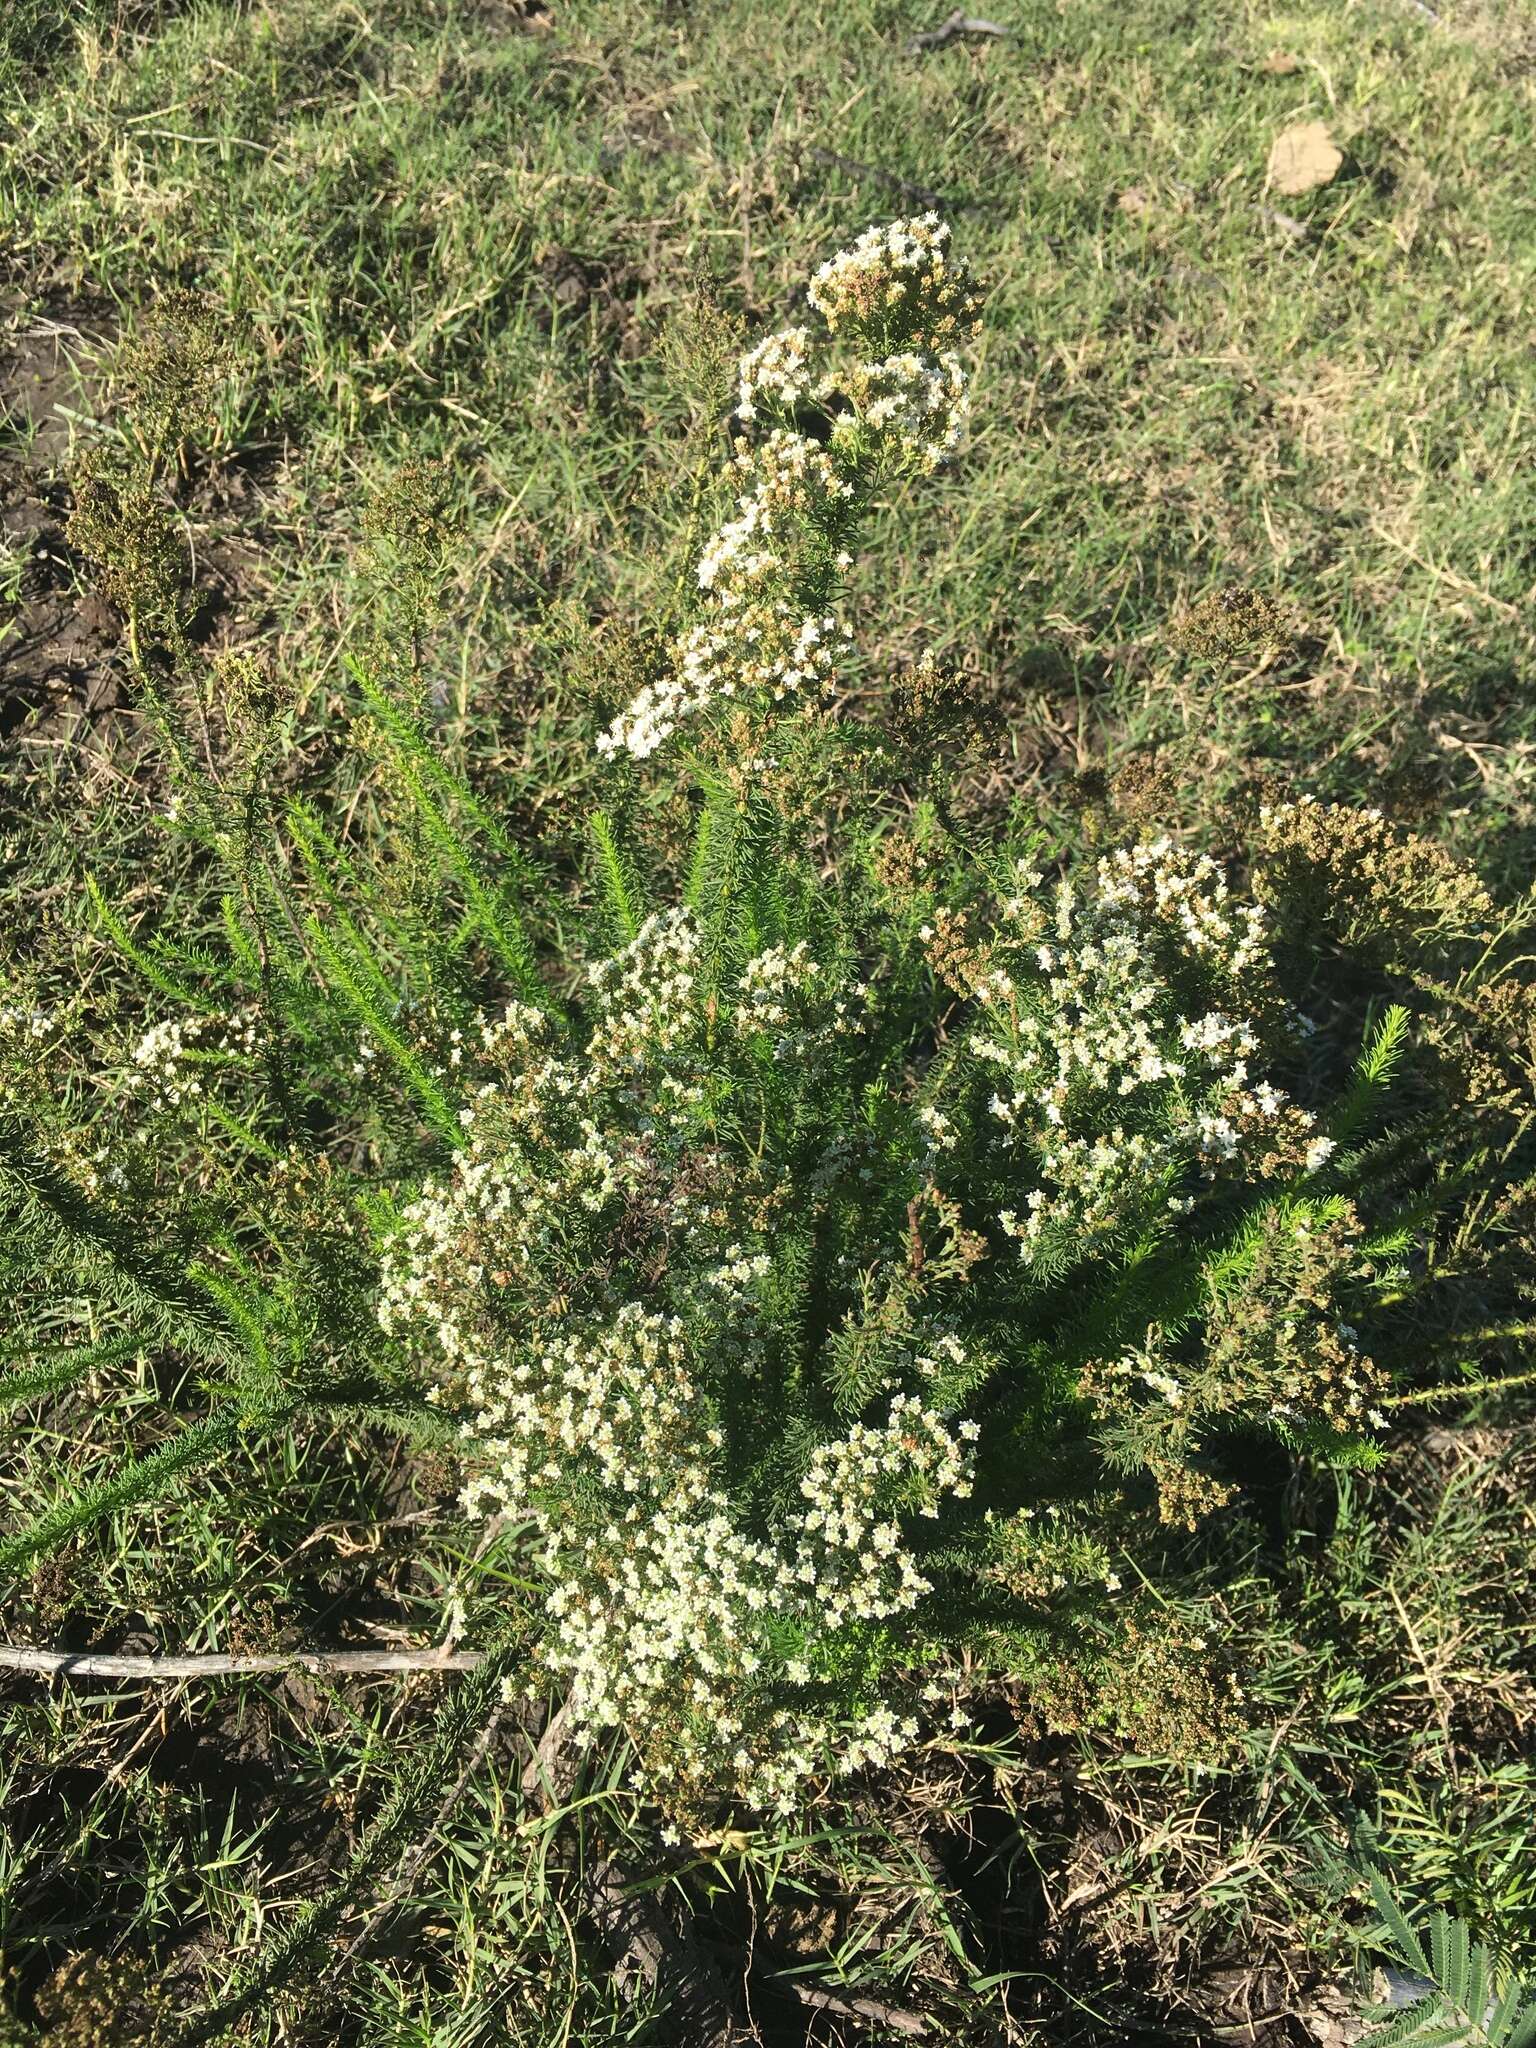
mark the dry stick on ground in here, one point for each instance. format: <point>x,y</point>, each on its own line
<point>1296,229</point>
<point>412,1862</point>
<point>214,1664</point>
<point>957,24</point>
<point>156,1670</point>
<point>891,2016</point>
<point>406,1875</point>
<point>669,1959</point>
<point>535,1777</point>
<point>536,1780</point>
<point>270,1970</point>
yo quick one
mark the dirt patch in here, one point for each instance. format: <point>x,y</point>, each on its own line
<point>48,372</point>
<point>56,642</point>
<point>62,677</point>
<point>609,294</point>
<point>59,644</point>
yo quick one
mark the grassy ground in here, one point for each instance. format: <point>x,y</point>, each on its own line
<point>473,230</point>
<point>524,238</point>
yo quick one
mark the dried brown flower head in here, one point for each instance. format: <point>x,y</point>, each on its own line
<point>171,367</point>
<point>130,539</point>
<point>1232,621</point>
<point>1375,886</point>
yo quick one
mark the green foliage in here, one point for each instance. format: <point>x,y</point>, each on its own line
<point>1472,2000</point>
<point>1380,1057</point>
<point>620,888</point>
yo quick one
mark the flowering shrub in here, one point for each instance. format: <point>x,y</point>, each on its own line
<point>1108,1088</point>
<point>733,1305</point>
<point>841,1272</point>
<point>610,1283</point>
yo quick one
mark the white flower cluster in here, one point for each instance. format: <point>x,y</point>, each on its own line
<point>645,995</point>
<point>159,1062</point>
<point>739,1275</point>
<point>777,370</point>
<point>1105,1079</point>
<point>781,988</point>
<point>557,1136</point>
<point>669,1615</point>
<point>942,1135</point>
<point>922,401</point>
<point>896,279</point>
<point>768,646</point>
<point>24,1021</point>
<point>164,1062</point>
<point>1190,893</point>
<point>796,487</point>
<point>848,1550</point>
<point>666,1615</point>
<point>712,1634</point>
<point>533,1157</point>
<point>770,635</point>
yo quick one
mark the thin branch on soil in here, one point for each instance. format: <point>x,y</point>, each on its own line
<point>957,24</point>
<point>669,1959</point>
<point>637,1933</point>
<point>1286,222</point>
<point>536,1778</point>
<point>152,1670</point>
<point>920,195</point>
<point>406,1876</point>
<point>891,2016</point>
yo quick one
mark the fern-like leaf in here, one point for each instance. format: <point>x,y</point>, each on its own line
<point>1409,1949</point>
<point>1469,2001</point>
<point>618,880</point>
<point>196,1446</point>
<point>1380,1057</point>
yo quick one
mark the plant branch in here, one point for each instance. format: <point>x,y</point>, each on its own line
<point>212,1664</point>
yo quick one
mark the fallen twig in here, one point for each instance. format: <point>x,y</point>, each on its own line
<point>424,1765</point>
<point>638,1933</point>
<point>957,24</point>
<point>536,1776</point>
<point>152,1669</point>
<point>891,2016</point>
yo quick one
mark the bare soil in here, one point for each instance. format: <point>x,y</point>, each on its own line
<point>57,638</point>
